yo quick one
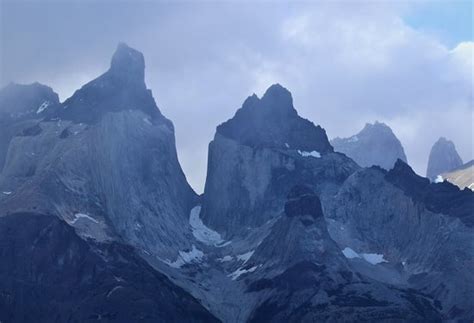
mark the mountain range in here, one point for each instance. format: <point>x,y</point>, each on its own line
<point>98,222</point>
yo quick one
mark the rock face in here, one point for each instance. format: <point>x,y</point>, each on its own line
<point>309,279</point>
<point>462,176</point>
<point>103,167</point>
<point>107,153</point>
<point>433,252</point>
<point>265,137</point>
<point>443,158</point>
<point>376,144</point>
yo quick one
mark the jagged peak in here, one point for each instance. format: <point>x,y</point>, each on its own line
<point>444,141</point>
<point>251,100</point>
<point>128,64</point>
<point>377,126</point>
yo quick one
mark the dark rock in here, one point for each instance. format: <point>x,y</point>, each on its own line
<point>273,122</point>
<point>48,273</point>
<point>303,201</point>
<point>444,198</point>
<point>121,88</point>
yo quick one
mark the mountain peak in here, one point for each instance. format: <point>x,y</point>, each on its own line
<point>279,92</point>
<point>273,122</point>
<point>128,64</point>
<point>443,158</point>
<point>27,99</point>
<point>376,126</point>
<point>375,144</point>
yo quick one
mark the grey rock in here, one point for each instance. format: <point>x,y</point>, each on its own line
<point>273,122</point>
<point>425,247</point>
<point>376,144</point>
<point>443,158</point>
<point>305,277</point>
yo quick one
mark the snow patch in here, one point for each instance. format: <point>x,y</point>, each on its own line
<point>236,274</point>
<point>246,256</point>
<point>83,216</point>
<point>313,153</point>
<point>113,290</point>
<point>225,259</point>
<point>372,258</point>
<point>186,257</point>
<point>286,145</point>
<point>42,107</point>
<point>350,254</point>
<point>439,179</point>
<point>353,139</point>
<point>7,193</point>
<point>201,232</point>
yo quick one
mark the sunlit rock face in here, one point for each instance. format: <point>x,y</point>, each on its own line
<point>443,158</point>
<point>462,176</point>
<point>376,144</point>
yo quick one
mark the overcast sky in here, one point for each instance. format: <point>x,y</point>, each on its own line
<point>408,64</point>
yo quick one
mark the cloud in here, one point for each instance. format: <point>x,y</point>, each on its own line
<point>346,64</point>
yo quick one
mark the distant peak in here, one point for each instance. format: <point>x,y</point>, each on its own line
<point>128,64</point>
<point>443,140</point>
<point>376,125</point>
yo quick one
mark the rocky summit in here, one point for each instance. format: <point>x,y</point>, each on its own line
<point>376,144</point>
<point>98,222</point>
<point>443,158</point>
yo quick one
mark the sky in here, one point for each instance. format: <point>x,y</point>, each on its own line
<point>406,63</point>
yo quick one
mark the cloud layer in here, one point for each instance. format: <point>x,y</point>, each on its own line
<point>345,65</point>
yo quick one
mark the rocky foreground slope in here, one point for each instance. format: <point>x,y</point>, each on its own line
<point>92,196</point>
